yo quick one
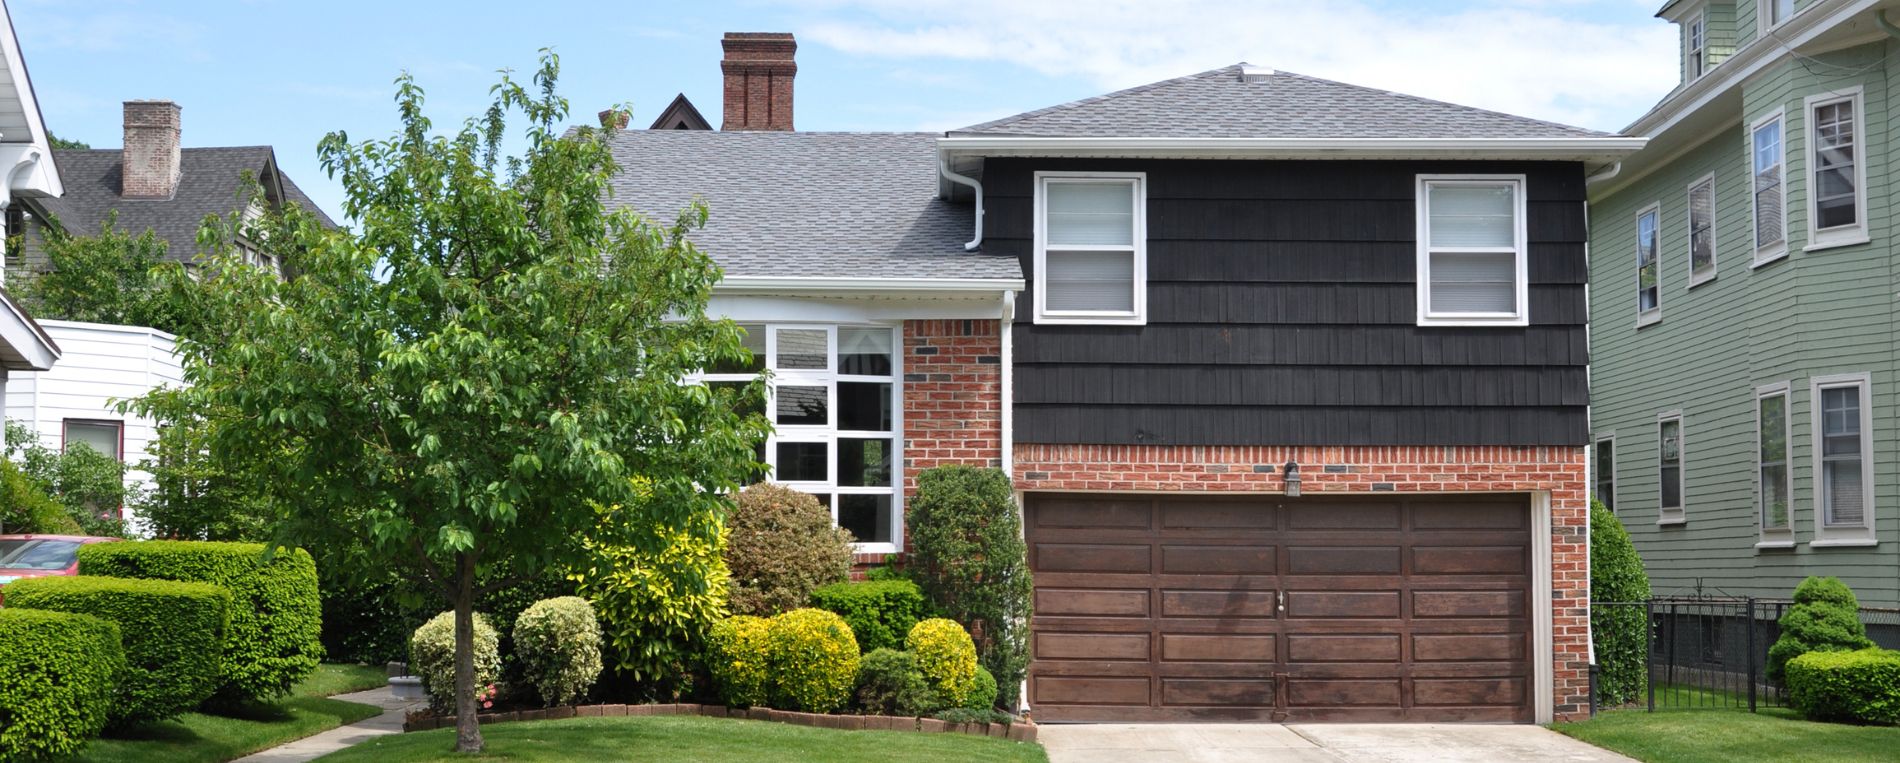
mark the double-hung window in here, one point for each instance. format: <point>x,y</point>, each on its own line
<point>1843,460</point>
<point>1669,467</point>
<point>1695,47</point>
<point>1702,230</point>
<point>1091,247</point>
<point>1772,496</point>
<point>1472,266</point>
<point>1648,270</point>
<point>1770,194</point>
<point>1773,12</point>
<point>106,438</point>
<point>1606,471</point>
<point>1837,170</point>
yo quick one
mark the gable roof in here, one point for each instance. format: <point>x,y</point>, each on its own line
<point>807,204</point>
<point>680,115</point>
<point>1239,101</point>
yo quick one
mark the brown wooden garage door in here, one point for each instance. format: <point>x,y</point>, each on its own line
<point>1268,608</point>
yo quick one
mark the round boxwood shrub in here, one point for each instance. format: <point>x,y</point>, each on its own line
<point>880,612</point>
<point>59,676</point>
<point>947,658</point>
<point>173,636</point>
<point>781,545</point>
<point>1857,687</point>
<point>813,660</point>
<point>432,657</point>
<point>1617,575</point>
<point>558,643</point>
<point>983,691</point>
<point>1825,618</point>
<point>736,659</point>
<point>656,606</point>
<point>890,684</point>
<point>967,554</point>
<point>274,639</point>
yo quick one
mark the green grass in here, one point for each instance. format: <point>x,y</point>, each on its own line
<point>206,738</point>
<point>1723,736</point>
<point>695,738</point>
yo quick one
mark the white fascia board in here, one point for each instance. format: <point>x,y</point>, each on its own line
<point>1607,148</point>
<point>26,338</point>
<point>43,179</point>
<point>823,285</point>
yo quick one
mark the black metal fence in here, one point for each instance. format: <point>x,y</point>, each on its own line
<point>1712,652</point>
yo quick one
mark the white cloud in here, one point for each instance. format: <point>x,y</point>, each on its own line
<point>1540,59</point>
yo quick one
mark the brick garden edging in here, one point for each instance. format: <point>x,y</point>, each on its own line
<point>1019,732</point>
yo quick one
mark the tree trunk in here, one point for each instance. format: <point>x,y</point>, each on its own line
<point>468,728</point>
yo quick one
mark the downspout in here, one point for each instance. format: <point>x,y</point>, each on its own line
<point>1604,174</point>
<point>1006,423</point>
<point>1880,17</point>
<point>943,165</point>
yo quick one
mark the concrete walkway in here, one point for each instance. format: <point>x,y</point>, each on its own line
<point>313,747</point>
<point>1314,743</point>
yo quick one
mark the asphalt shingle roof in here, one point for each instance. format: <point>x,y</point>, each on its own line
<point>818,204</point>
<point>207,184</point>
<point>1223,104</point>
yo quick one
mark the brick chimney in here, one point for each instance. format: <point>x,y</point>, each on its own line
<point>149,164</point>
<point>614,119</point>
<point>759,71</point>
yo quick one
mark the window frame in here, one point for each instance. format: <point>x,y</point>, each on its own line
<point>1138,249</point>
<point>1840,235</point>
<point>1681,509</point>
<point>1654,314</point>
<point>1774,250</point>
<point>1600,477</point>
<point>1520,210</point>
<point>118,425</point>
<point>1765,15</point>
<point>1843,535</point>
<point>1783,536</point>
<point>1695,47</point>
<point>1689,215</point>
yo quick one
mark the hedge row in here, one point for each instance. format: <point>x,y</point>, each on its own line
<point>1858,687</point>
<point>58,679</point>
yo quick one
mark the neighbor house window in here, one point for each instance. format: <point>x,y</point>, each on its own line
<point>1471,253</point>
<point>1669,466</point>
<point>1606,472</point>
<point>1696,48</point>
<point>106,437</point>
<point>1648,272</point>
<point>1771,462</point>
<point>1770,193</point>
<point>1837,170</point>
<point>833,400</point>
<point>1843,459</point>
<point>1091,247</point>
<point>1702,230</point>
<point>1774,12</point>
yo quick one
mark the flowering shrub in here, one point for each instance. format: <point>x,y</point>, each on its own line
<point>432,656</point>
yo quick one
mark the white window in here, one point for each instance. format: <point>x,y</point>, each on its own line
<point>1091,247</point>
<point>1770,193</point>
<point>1472,266</point>
<point>1669,468</point>
<point>1774,12</point>
<point>1837,170</point>
<point>1702,230</point>
<point>1695,47</point>
<point>834,402</point>
<point>1773,502</point>
<point>1648,271</point>
<point>104,437</point>
<point>1843,460</point>
<point>1606,471</point>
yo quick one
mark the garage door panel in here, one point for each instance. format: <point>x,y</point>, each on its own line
<point>1222,560</point>
<point>1471,560</point>
<point>1093,646</point>
<point>1467,647</point>
<point>1093,512</point>
<point>1315,604</point>
<point>1082,601</point>
<point>1467,604</point>
<point>1094,691</point>
<point>1333,692</point>
<point>1218,647</point>
<point>1218,515</point>
<point>1059,624</point>
<point>1217,692</point>
<point>1225,604</point>
<point>1092,557</point>
<point>1472,670</point>
<point>1343,560</point>
<point>1497,515</point>
<point>1095,668</point>
<point>1307,647</point>
<point>1494,691</point>
<point>1343,515</point>
<point>1216,670</point>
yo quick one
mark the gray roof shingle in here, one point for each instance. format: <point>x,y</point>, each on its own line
<point>1222,103</point>
<point>816,204</point>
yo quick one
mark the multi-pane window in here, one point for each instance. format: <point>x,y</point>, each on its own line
<point>1702,230</point>
<point>1836,171</point>
<point>1091,248</point>
<point>1769,196</point>
<point>1771,459</point>
<point>1471,256</point>
<point>1606,472</point>
<point>1695,50</point>
<point>1648,286</point>
<point>1843,458</point>
<point>1669,467</point>
<point>105,437</point>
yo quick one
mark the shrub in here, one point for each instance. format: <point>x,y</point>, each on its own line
<point>781,546</point>
<point>1858,687</point>
<point>813,660</point>
<point>558,642</point>
<point>276,615</point>
<point>983,691</point>
<point>432,657</point>
<point>173,636</point>
<point>89,485</point>
<point>890,684</point>
<point>947,658</point>
<point>1622,633</point>
<point>880,613</point>
<point>967,554</point>
<point>657,605</point>
<point>736,658</point>
<point>1825,618</point>
<point>24,508</point>
<point>58,677</point>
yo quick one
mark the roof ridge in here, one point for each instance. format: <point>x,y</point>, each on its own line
<point>1436,102</point>
<point>1098,98</point>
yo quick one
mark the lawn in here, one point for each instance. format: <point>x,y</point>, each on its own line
<point>205,738</point>
<point>695,738</point>
<point>1723,736</point>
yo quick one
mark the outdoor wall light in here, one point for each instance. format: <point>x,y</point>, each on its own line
<point>1292,479</point>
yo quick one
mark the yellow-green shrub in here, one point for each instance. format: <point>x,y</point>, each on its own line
<point>947,658</point>
<point>813,659</point>
<point>656,606</point>
<point>432,656</point>
<point>736,659</point>
<point>558,643</point>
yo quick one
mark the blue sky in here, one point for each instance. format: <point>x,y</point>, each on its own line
<point>282,73</point>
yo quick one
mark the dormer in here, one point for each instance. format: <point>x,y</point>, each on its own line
<point>1706,30</point>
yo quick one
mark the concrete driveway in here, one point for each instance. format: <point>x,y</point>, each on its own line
<point>1330,743</point>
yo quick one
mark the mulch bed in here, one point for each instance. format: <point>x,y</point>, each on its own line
<point>1023,731</point>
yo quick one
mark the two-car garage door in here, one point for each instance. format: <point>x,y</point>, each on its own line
<point>1152,608</point>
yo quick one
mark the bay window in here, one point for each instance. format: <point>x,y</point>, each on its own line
<point>1769,192</point>
<point>1837,170</point>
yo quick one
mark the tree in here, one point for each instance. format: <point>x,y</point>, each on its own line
<point>67,145</point>
<point>113,277</point>
<point>469,383</point>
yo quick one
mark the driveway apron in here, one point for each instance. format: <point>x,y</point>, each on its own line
<point>1318,743</point>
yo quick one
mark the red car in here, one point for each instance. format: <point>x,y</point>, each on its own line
<point>35,556</point>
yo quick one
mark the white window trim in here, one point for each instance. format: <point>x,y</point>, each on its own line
<point>1842,235</point>
<point>1778,249</point>
<point>1775,537</point>
<point>1764,11</point>
<point>1695,52</point>
<point>1843,536</point>
<point>1597,471</point>
<point>1654,314</point>
<point>1681,515</point>
<point>1688,216</point>
<point>1136,317</point>
<point>1520,241</point>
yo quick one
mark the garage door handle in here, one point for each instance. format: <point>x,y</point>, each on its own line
<point>1282,601</point>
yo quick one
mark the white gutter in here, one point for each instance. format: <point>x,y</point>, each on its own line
<point>1604,174</point>
<point>1608,147</point>
<point>1008,432</point>
<point>835,284</point>
<point>943,165</point>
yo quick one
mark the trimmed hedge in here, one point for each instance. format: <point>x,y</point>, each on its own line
<point>1858,687</point>
<point>890,684</point>
<point>967,553</point>
<point>736,658</point>
<point>947,658</point>
<point>432,657</point>
<point>812,659</point>
<point>59,676</point>
<point>983,692</point>
<point>880,613</point>
<point>276,618</point>
<point>1825,618</point>
<point>558,643</point>
<point>173,636</point>
<point>1622,633</point>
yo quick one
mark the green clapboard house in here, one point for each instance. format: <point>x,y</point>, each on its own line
<point>1745,331</point>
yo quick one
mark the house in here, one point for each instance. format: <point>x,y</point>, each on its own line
<point>1290,374</point>
<point>30,172</point>
<point>1743,267</point>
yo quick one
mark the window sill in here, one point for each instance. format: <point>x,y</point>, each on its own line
<point>875,548</point>
<point>1844,543</point>
<point>1673,522</point>
<point>1774,545</point>
<point>1820,242</point>
<point>1695,281</point>
<point>1091,320</point>
<point>1649,319</point>
<point>1769,256</point>
<point>1519,322</point>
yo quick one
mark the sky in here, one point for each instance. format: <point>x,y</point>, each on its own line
<point>285,73</point>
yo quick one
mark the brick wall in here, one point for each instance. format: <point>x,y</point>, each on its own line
<point>1557,470</point>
